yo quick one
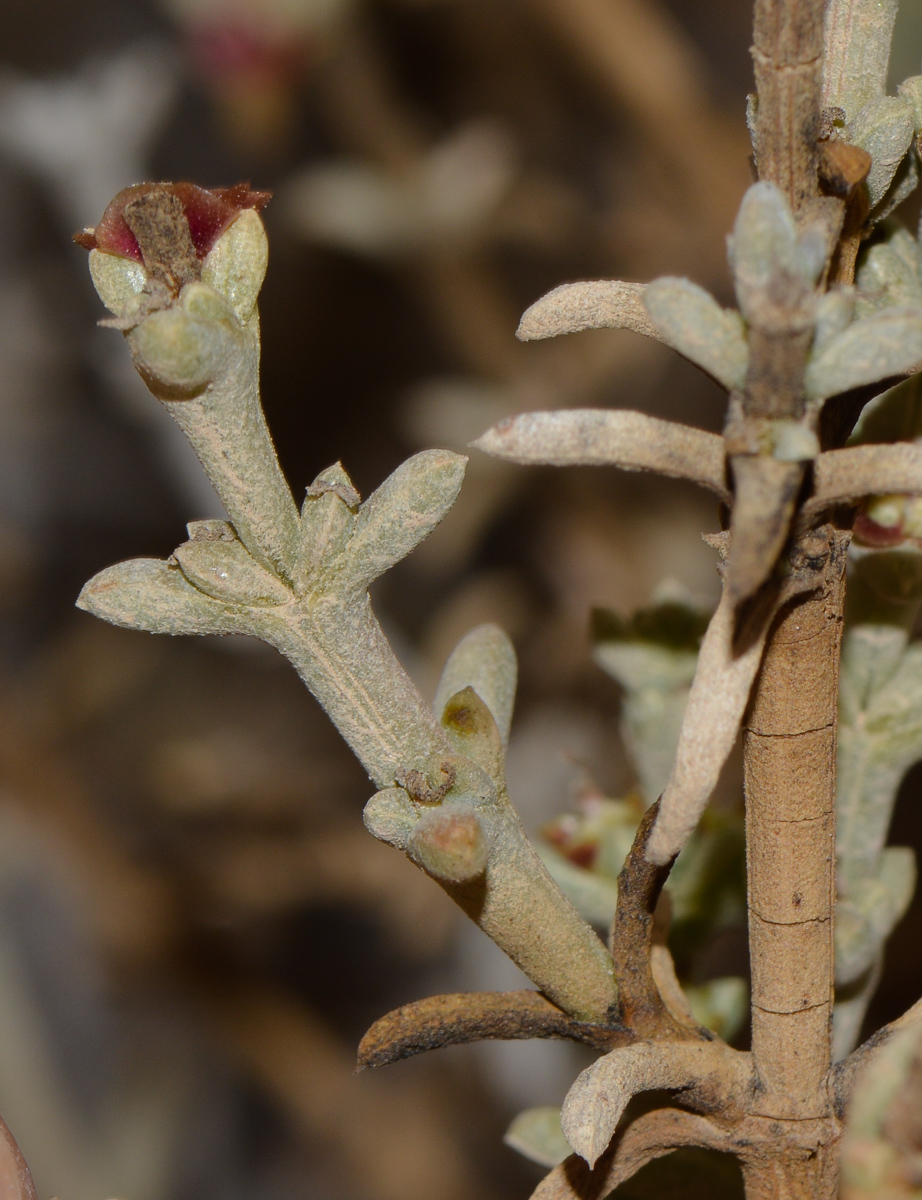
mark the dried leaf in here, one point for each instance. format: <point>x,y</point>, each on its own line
<point>760,520</point>
<point>651,1136</point>
<point>843,476</point>
<point>716,703</point>
<point>145,593</point>
<point>594,1104</point>
<point>474,1017</point>
<point>692,322</point>
<point>573,307</point>
<point>484,660</point>
<point>877,347</point>
<point>610,437</point>
<point>399,515</point>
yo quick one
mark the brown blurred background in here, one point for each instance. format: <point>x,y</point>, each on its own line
<point>195,929</point>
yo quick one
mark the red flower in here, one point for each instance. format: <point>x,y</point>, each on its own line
<point>208,211</point>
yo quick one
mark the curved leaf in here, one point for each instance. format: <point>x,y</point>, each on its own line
<point>599,304</point>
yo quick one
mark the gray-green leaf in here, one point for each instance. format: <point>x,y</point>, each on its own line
<point>400,514</point>
<point>536,1134</point>
<point>886,344</point>
<point>692,322</point>
<point>885,128</point>
<point>225,571</point>
<point>327,521</point>
<point>148,594</point>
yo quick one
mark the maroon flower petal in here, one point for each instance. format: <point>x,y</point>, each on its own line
<point>209,212</point>
<point>868,533</point>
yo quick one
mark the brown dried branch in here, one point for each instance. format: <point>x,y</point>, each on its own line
<point>611,437</point>
<point>15,1176</point>
<point>475,1017</point>
<point>844,476</point>
<point>640,884</point>
<point>649,1137</point>
<point>789,748</point>
<point>598,304</point>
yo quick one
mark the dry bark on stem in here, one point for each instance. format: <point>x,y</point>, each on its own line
<point>788,54</point>
<point>789,746</point>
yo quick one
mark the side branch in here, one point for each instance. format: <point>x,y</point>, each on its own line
<point>640,885</point>
<point>844,1074</point>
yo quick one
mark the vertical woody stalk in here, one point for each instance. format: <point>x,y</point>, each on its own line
<point>789,735</point>
<point>789,741</point>
<point>788,54</point>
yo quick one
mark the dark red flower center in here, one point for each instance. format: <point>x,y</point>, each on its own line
<point>208,211</point>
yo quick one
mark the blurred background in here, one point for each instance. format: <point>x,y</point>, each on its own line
<point>195,929</point>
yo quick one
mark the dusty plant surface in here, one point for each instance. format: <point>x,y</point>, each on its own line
<point>811,489</point>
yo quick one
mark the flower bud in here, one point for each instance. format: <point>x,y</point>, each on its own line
<point>450,843</point>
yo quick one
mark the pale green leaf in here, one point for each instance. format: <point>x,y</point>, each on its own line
<point>884,127</point>
<point>148,594</point>
<point>886,344</point>
<point>536,1134</point>
<point>400,514</point>
<point>593,895</point>
<point>224,570</point>
<point>391,816</point>
<point>692,322</point>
